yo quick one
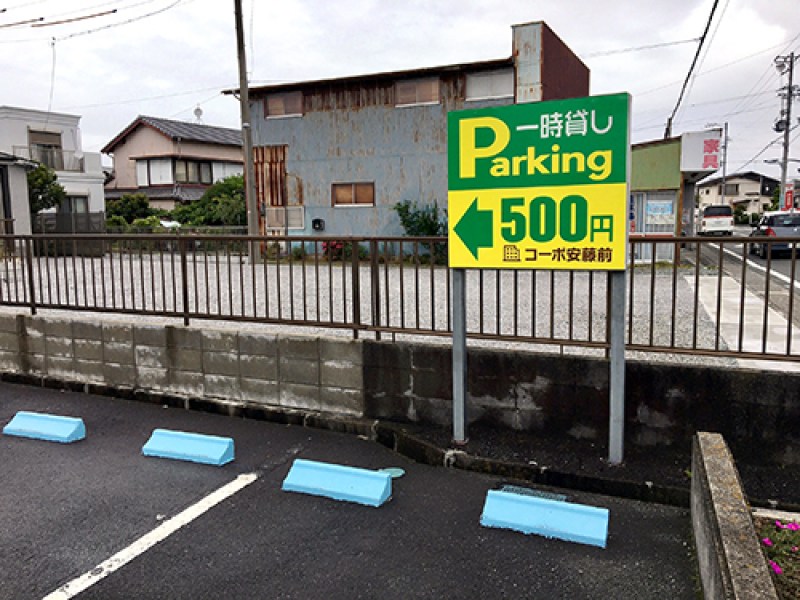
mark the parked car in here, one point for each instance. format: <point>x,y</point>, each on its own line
<point>717,219</point>
<point>775,224</point>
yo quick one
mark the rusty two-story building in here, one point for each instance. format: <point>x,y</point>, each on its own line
<point>335,156</point>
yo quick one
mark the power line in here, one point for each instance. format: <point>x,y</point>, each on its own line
<point>707,71</point>
<point>765,148</point>
<point>103,5</point>
<point>20,23</point>
<point>637,48</point>
<point>668,130</point>
<point>702,60</point>
<point>763,81</point>
<point>52,83</point>
<point>126,22</point>
<point>75,19</point>
<point>108,26</point>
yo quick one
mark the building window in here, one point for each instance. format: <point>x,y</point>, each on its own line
<point>45,147</point>
<point>731,189</point>
<point>353,194</point>
<point>286,104</point>
<point>192,171</point>
<point>417,91</point>
<point>485,85</point>
<point>74,205</point>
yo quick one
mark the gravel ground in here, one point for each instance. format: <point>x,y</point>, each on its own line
<point>535,305</point>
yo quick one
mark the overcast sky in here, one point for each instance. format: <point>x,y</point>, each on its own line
<point>112,67</point>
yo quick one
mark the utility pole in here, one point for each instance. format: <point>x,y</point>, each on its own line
<point>785,64</point>
<point>724,156</point>
<point>247,134</point>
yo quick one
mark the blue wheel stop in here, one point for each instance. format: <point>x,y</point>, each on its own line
<point>549,518</point>
<point>42,426</point>
<point>350,484</point>
<point>192,447</point>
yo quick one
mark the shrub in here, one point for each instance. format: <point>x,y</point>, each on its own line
<point>129,208</point>
<point>340,250</point>
<point>116,224</point>
<point>334,249</point>
<point>151,224</point>
<point>421,221</point>
<point>299,252</point>
<point>424,221</point>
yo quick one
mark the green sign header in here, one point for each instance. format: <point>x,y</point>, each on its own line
<point>565,142</point>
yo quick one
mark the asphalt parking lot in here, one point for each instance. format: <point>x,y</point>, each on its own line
<point>65,509</point>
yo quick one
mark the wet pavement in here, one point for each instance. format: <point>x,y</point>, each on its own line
<point>67,508</point>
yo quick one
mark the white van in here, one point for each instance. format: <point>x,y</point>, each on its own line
<point>717,219</point>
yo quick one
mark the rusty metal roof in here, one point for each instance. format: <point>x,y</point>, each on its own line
<point>389,75</point>
<point>180,130</point>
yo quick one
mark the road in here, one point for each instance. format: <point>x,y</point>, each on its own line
<point>66,509</point>
<point>769,279</point>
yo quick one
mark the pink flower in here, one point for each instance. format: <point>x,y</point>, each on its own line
<point>776,567</point>
<point>778,525</point>
<point>794,548</point>
<point>766,542</point>
<point>792,526</point>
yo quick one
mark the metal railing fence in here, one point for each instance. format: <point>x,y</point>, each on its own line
<point>686,296</point>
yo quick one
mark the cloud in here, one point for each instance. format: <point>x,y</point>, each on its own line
<point>148,66</point>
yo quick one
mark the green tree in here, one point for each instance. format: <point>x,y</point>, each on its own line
<point>129,207</point>
<point>223,204</point>
<point>44,191</point>
<point>776,198</point>
<point>740,217</point>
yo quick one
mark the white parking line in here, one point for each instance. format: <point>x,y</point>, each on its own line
<point>148,540</point>
<point>777,275</point>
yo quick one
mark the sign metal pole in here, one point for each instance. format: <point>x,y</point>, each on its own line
<point>616,374</point>
<point>459,356</point>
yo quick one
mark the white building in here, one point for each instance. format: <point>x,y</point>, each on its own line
<point>52,139</point>
<point>752,190</point>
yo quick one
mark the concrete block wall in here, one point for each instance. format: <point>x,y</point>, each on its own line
<point>316,374</point>
<point>757,411</point>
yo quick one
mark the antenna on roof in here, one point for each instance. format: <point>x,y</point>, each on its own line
<point>198,115</point>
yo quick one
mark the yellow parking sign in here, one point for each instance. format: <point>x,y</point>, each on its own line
<point>541,185</point>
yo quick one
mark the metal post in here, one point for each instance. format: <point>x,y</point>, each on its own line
<point>184,279</point>
<point>375,286</point>
<point>356,281</point>
<point>459,356</point>
<point>29,264</point>
<point>616,374</point>
<point>247,135</point>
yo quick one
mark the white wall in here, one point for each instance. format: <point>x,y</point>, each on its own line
<point>18,188</point>
<point>15,123</point>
